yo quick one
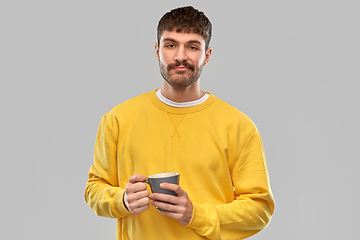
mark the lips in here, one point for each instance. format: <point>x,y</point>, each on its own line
<point>180,68</point>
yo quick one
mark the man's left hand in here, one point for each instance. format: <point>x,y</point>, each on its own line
<point>181,211</point>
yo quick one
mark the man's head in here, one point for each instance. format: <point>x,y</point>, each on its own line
<point>186,19</point>
<point>183,46</point>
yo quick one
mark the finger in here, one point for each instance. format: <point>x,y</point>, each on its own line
<point>131,197</point>
<point>164,197</point>
<point>163,205</point>
<point>137,187</point>
<point>173,187</point>
<point>137,178</point>
<point>140,209</point>
<point>139,203</point>
<point>181,214</point>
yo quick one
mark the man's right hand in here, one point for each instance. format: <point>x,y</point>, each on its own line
<point>136,195</point>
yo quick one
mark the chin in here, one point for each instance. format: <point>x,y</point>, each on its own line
<point>181,83</point>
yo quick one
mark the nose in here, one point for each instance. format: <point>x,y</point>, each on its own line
<point>180,54</point>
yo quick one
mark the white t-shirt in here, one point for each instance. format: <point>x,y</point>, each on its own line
<point>181,104</point>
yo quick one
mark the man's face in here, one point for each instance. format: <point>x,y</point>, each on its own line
<point>181,57</point>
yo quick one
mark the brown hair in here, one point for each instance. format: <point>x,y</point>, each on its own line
<point>186,19</point>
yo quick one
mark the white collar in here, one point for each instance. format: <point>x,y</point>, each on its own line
<point>181,104</point>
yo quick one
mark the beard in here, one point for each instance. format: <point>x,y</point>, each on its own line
<point>180,79</point>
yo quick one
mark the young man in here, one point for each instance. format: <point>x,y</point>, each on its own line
<point>224,190</point>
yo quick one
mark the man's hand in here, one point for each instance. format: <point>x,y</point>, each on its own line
<point>136,195</point>
<point>181,211</point>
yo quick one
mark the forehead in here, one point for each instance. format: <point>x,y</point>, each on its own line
<point>182,37</point>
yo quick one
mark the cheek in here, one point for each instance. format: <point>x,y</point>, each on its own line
<point>200,62</point>
<point>199,59</point>
<point>164,58</point>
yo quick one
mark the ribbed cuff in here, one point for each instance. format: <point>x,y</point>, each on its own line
<point>200,219</point>
<point>120,207</point>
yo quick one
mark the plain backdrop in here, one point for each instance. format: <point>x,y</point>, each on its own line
<point>291,66</point>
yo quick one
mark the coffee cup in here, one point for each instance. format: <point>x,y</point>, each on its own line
<point>156,179</point>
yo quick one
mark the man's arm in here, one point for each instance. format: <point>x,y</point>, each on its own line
<point>246,215</point>
<point>253,206</point>
<point>102,193</point>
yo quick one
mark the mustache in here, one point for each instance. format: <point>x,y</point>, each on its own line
<point>182,63</point>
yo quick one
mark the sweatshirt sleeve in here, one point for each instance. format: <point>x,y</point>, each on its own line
<point>102,193</point>
<point>253,203</point>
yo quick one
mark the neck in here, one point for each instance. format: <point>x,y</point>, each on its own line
<point>190,93</point>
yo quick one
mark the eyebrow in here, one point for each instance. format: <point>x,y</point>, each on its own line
<point>173,40</point>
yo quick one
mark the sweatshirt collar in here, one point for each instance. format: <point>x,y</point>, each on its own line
<point>177,110</point>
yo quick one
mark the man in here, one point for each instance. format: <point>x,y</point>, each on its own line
<point>224,190</point>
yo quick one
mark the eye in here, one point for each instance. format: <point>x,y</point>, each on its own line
<point>170,46</point>
<point>193,48</point>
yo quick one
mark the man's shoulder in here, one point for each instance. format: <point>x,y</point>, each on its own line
<point>128,108</point>
<point>228,109</point>
<point>132,103</point>
<point>230,115</point>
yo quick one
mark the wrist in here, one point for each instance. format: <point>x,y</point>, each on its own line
<point>126,203</point>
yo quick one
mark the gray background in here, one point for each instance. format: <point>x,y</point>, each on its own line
<point>292,66</point>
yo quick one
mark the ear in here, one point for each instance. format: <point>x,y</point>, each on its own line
<point>157,51</point>
<point>207,56</point>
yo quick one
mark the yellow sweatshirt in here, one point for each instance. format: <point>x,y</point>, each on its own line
<point>216,149</point>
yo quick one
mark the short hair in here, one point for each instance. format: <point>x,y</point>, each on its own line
<point>186,19</point>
